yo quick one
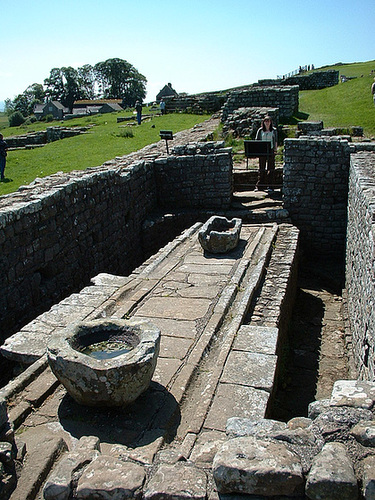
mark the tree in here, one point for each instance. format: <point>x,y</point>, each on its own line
<point>63,85</point>
<point>86,81</point>
<point>118,79</point>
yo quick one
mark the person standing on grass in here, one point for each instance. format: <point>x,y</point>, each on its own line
<point>138,108</point>
<point>3,155</point>
<point>267,132</point>
<point>373,90</point>
<point>162,106</point>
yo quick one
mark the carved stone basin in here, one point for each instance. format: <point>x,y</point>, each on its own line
<point>219,234</point>
<point>127,352</point>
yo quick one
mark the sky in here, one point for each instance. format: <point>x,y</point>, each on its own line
<point>196,45</point>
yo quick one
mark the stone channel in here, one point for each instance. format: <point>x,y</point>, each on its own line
<point>195,299</point>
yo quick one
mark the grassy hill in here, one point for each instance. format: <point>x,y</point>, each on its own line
<point>105,140</point>
<point>345,104</point>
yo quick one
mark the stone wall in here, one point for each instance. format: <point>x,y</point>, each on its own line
<point>198,103</point>
<point>51,134</point>
<point>63,234</point>
<point>244,122</point>
<point>311,81</point>
<point>283,97</point>
<point>360,261</point>
<point>315,191</point>
<point>195,176</point>
<point>66,228</point>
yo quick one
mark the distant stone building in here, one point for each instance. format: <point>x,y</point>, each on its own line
<point>54,108</point>
<point>166,92</point>
<point>92,106</point>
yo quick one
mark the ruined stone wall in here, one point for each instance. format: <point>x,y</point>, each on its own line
<point>283,97</point>
<point>60,234</point>
<point>62,230</point>
<point>196,103</point>
<point>311,81</point>
<point>195,176</point>
<point>315,191</point>
<point>360,261</point>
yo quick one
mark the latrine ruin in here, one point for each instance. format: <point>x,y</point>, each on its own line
<point>131,227</point>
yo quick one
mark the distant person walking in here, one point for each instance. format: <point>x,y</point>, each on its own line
<point>3,156</point>
<point>162,106</point>
<point>267,132</point>
<point>138,108</point>
<point>373,90</point>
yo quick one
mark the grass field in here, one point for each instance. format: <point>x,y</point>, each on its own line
<point>105,140</point>
<point>345,104</point>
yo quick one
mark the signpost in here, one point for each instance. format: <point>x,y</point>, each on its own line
<point>167,135</point>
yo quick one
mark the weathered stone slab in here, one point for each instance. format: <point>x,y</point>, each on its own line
<point>40,460</point>
<point>174,328</point>
<point>259,339</point>
<point>355,393</point>
<point>250,466</point>
<point>25,347</point>
<point>239,427</point>
<point>252,369</point>
<point>340,420</point>
<point>364,432</point>
<point>107,477</point>
<point>331,475</point>
<point>236,401</point>
<point>180,481</point>
<point>59,483</point>
<point>206,446</point>
<point>175,308</point>
<point>208,268</point>
<point>368,477</point>
<point>165,369</point>
<point>172,347</point>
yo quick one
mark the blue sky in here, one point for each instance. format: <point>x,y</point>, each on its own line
<point>197,45</point>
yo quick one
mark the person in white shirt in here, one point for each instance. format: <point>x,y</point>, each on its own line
<point>267,132</point>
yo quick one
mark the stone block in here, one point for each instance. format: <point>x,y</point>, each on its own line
<point>180,481</point>
<point>250,466</point>
<point>106,477</point>
<point>332,471</point>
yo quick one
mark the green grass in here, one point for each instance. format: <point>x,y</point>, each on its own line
<point>104,141</point>
<point>345,104</point>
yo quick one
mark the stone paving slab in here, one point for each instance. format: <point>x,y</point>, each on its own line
<point>174,308</point>
<point>251,369</point>
<point>256,339</point>
<point>232,400</point>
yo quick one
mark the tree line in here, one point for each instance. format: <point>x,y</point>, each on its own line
<point>112,79</point>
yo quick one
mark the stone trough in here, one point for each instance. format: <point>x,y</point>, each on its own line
<point>219,234</point>
<point>105,362</point>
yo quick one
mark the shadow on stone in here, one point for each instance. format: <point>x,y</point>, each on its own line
<point>297,383</point>
<point>155,410</point>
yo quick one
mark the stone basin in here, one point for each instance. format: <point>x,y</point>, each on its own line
<point>114,381</point>
<point>219,234</point>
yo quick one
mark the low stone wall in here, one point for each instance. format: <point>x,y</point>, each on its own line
<point>51,134</point>
<point>195,176</point>
<point>315,191</point>
<point>311,81</point>
<point>360,261</point>
<point>66,228</point>
<point>197,103</point>
<point>244,122</point>
<point>283,97</point>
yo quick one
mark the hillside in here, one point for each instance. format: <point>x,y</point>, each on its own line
<point>346,104</point>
